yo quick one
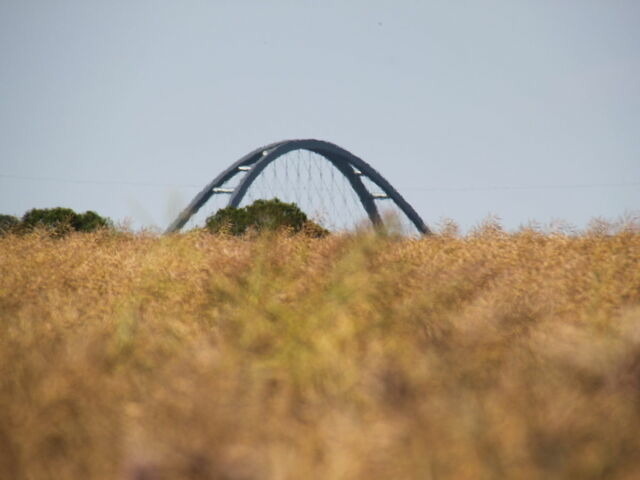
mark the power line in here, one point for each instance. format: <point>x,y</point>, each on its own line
<point>97,182</point>
<point>469,188</point>
<point>472,188</point>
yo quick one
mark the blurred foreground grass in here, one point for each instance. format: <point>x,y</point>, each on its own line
<point>350,357</point>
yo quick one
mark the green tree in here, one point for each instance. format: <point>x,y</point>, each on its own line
<point>8,223</point>
<point>90,221</point>
<point>263,215</point>
<point>61,221</point>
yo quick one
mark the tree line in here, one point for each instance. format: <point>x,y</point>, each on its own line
<point>261,215</point>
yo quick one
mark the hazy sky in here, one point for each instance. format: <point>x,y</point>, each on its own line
<point>528,110</point>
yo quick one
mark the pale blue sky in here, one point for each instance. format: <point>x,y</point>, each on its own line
<point>149,100</point>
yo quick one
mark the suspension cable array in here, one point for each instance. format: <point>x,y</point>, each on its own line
<point>325,168</point>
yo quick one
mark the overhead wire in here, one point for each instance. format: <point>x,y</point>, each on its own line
<point>408,188</point>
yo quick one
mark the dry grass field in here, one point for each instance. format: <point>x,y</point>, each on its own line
<point>494,355</point>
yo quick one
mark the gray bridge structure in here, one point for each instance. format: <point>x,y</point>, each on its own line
<point>249,167</point>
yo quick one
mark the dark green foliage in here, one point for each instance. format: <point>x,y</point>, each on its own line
<point>228,220</point>
<point>89,221</point>
<point>59,220</point>
<point>263,215</point>
<point>8,224</point>
<point>62,220</point>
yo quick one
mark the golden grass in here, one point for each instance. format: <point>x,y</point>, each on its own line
<point>350,357</point>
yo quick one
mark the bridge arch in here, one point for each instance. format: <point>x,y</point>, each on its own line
<point>249,167</point>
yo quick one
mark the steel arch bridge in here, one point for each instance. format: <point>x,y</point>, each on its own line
<point>248,168</point>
